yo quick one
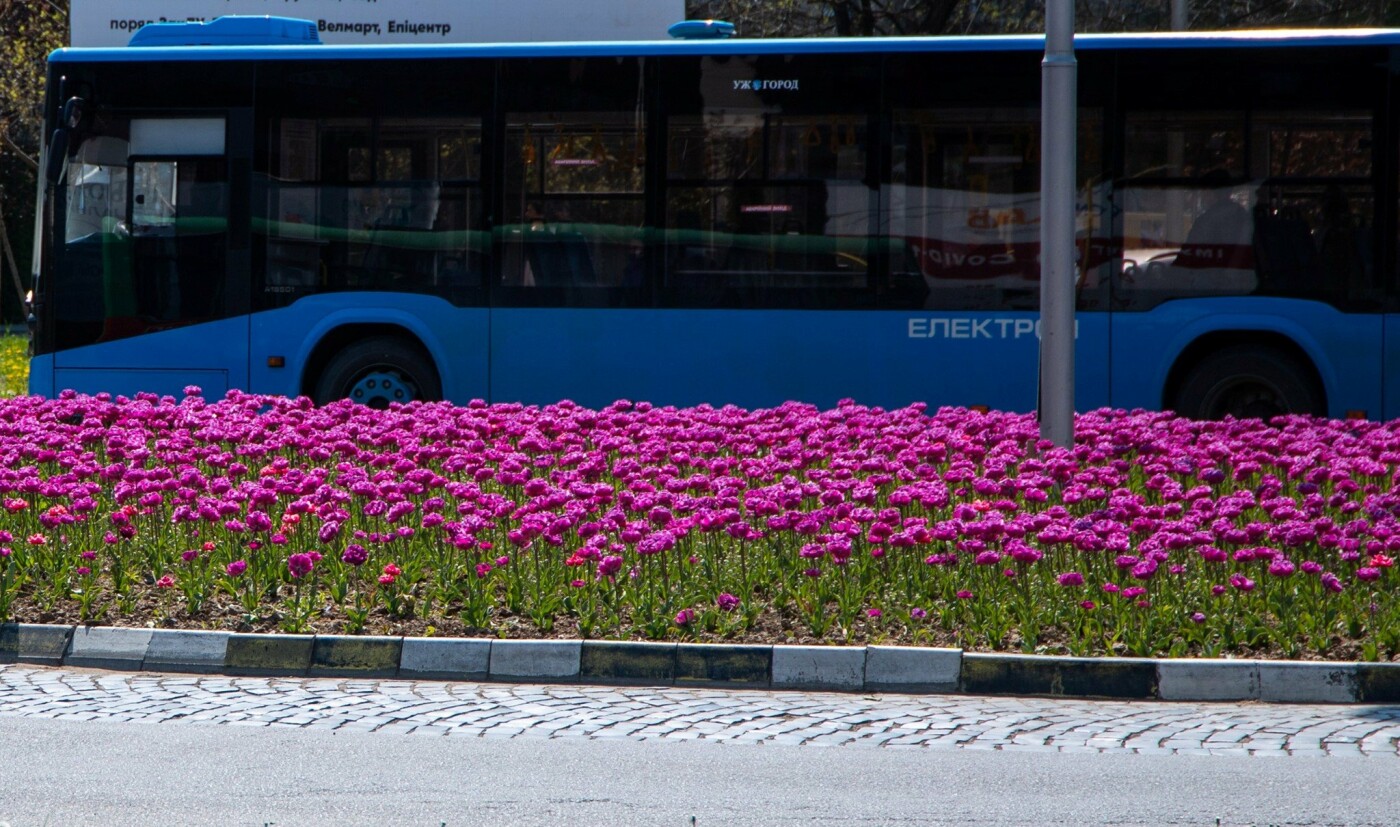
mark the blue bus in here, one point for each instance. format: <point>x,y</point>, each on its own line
<point>235,205</point>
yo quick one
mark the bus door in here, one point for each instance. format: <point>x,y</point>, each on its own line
<point>157,279</point>
<point>567,301</point>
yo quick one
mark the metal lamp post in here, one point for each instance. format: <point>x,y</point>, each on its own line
<point>1058,113</point>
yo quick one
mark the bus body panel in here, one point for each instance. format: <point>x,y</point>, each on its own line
<point>41,376</point>
<point>766,357</point>
<point>212,356</point>
<point>1148,344</point>
<point>455,338</point>
<point>1390,360</point>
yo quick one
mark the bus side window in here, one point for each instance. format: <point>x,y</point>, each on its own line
<point>574,200</point>
<point>1316,208</point>
<point>766,208</point>
<point>964,208</point>
<point>1296,221</point>
<point>360,204</point>
<point>97,178</point>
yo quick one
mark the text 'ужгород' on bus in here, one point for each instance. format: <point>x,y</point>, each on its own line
<point>723,221</point>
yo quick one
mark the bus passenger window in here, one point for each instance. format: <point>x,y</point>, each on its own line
<point>153,196</point>
<point>964,210</point>
<point>791,226</point>
<point>574,206</point>
<point>96,179</point>
<point>1291,216</point>
<point>361,204</point>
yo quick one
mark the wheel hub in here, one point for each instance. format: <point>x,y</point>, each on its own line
<point>378,388</point>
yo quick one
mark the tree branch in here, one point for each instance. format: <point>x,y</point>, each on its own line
<point>23,156</point>
<point>10,258</point>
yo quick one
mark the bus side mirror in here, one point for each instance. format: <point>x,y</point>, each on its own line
<point>73,112</point>
<point>58,155</point>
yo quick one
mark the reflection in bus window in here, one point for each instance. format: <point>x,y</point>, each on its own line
<point>1316,225</point>
<point>356,204</point>
<point>829,147</point>
<point>153,195</point>
<point>179,242</point>
<point>1184,145</point>
<point>96,181</point>
<point>965,203</point>
<point>1312,144</point>
<point>719,147</point>
<point>741,218</point>
<point>97,252</point>
<point>1293,216</point>
<point>573,198</point>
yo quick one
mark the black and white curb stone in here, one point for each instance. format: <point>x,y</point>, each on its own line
<point>865,669</point>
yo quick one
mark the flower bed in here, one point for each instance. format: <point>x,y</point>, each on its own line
<point>1154,535</point>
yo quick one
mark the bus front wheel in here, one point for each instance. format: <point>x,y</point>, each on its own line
<point>376,372</point>
<point>1249,381</point>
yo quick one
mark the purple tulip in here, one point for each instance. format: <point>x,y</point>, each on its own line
<point>354,555</point>
<point>856,493</point>
<point>299,565</point>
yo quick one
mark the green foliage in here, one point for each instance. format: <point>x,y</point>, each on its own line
<point>30,30</point>
<point>14,365</point>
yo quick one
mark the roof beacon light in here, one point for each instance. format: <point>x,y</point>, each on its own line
<point>701,30</point>
<point>229,30</point>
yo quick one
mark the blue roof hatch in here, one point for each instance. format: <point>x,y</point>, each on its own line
<point>229,30</point>
<point>701,29</point>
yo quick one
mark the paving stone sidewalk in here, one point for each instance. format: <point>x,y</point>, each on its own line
<point>779,718</point>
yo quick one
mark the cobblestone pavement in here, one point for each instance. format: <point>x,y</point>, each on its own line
<point>787,718</point>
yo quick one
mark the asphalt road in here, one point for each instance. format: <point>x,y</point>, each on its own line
<point>111,748</point>
<point>71,772</point>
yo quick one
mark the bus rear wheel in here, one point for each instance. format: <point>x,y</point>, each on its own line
<point>378,371</point>
<point>1249,381</point>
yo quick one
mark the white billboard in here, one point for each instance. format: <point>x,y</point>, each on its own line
<point>111,22</point>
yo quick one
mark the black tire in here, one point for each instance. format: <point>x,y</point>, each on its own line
<point>1249,381</point>
<point>378,371</point>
